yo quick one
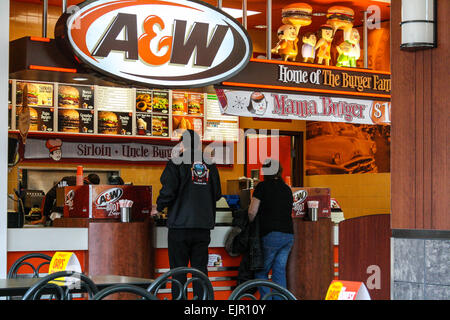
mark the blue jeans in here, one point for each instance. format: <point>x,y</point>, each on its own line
<point>276,247</point>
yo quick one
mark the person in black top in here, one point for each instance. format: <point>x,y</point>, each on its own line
<point>190,190</point>
<point>50,197</point>
<point>272,201</point>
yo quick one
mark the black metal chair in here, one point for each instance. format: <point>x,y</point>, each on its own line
<point>122,288</point>
<point>24,261</point>
<point>182,289</point>
<point>62,290</point>
<point>242,290</point>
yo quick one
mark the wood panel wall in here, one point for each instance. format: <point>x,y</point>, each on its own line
<point>309,269</point>
<point>364,246</point>
<point>419,131</point>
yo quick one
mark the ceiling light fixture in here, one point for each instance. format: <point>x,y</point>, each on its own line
<point>237,13</point>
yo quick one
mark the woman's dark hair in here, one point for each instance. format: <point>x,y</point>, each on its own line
<point>271,169</point>
<point>115,180</point>
<point>93,178</point>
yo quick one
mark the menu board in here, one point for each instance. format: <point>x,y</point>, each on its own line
<point>39,94</point>
<point>152,113</point>
<point>114,99</point>
<point>89,109</point>
<point>115,110</point>
<point>75,108</point>
<point>41,118</point>
<point>40,102</point>
<point>219,126</point>
<point>112,122</point>
<point>187,112</point>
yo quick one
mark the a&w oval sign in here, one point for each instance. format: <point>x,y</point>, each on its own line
<point>156,42</point>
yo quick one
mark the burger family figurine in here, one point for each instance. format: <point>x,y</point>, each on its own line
<point>297,15</point>
<point>339,17</point>
<point>287,46</point>
<point>308,48</point>
<point>349,50</point>
<point>324,44</point>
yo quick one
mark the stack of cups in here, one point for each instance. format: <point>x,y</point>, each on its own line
<point>313,210</point>
<point>125,208</point>
<point>79,177</point>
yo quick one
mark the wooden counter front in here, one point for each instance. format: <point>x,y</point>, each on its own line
<point>310,264</point>
<point>115,247</point>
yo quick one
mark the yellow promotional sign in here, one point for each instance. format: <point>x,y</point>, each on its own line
<point>64,261</point>
<point>347,290</point>
<point>334,290</point>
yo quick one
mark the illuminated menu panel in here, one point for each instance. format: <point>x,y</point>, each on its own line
<point>39,100</point>
<point>114,99</point>
<point>115,110</point>
<point>219,126</point>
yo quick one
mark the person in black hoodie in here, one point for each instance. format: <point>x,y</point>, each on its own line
<point>190,190</point>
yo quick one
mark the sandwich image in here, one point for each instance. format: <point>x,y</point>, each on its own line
<point>32,94</point>
<point>178,102</point>
<point>297,14</point>
<point>68,97</point>
<point>178,108</point>
<point>69,120</point>
<point>193,108</point>
<point>34,122</point>
<point>340,18</point>
<point>108,123</point>
<point>157,127</point>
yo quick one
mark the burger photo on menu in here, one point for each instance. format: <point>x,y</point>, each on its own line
<point>160,126</point>
<point>68,97</point>
<point>195,104</point>
<point>34,120</point>
<point>108,122</point>
<point>32,95</point>
<point>143,101</point>
<point>68,120</point>
<point>179,103</point>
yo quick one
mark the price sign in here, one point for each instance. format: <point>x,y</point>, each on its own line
<point>347,290</point>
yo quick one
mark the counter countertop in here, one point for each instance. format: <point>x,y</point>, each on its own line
<point>60,239</point>
<point>47,239</point>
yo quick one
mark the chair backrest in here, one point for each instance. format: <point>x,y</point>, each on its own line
<point>173,275</point>
<point>25,260</point>
<point>242,290</point>
<point>74,281</point>
<point>121,288</point>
